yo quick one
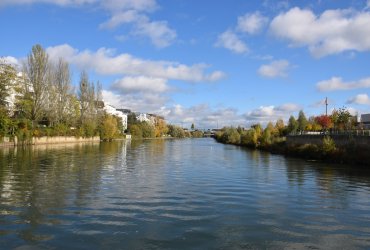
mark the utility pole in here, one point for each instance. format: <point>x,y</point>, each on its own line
<point>326,104</point>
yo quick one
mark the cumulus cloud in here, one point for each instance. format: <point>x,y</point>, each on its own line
<point>362,99</point>
<point>104,61</point>
<point>275,69</point>
<point>203,116</point>
<point>11,60</point>
<point>265,114</point>
<point>336,83</point>
<point>133,12</point>
<point>141,84</point>
<point>251,23</point>
<point>158,31</point>
<point>332,32</point>
<point>143,102</point>
<point>231,41</point>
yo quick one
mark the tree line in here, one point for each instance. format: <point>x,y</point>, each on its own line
<point>257,136</point>
<point>44,101</point>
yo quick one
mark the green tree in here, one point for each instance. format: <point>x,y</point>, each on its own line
<point>8,76</point>
<point>192,126</point>
<point>176,131</point>
<point>266,138</point>
<point>292,125</point>
<point>231,136</point>
<point>249,138</point>
<point>280,127</point>
<point>37,79</point>
<point>147,129</point>
<point>302,121</point>
<point>344,119</point>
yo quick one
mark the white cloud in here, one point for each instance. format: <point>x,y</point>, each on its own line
<point>275,69</point>
<point>56,2</point>
<point>116,20</point>
<point>334,31</point>
<point>143,102</point>
<point>141,84</point>
<point>251,23</point>
<point>231,41</point>
<point>104,61</point>
<point>362,99</point>
<point>133,12</point>
<point>336,83</point>
<point>158,31</point>
<point>203,116</point>
<point>265,114</point>
<point>11,60</point>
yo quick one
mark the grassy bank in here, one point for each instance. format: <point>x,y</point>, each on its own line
<point>273,142</point>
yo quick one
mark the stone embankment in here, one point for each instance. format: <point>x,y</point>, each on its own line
<point>7,142</point>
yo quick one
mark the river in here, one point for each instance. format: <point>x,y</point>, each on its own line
<point>177,194</point>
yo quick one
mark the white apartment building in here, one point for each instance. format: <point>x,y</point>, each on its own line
<point>113,111</point>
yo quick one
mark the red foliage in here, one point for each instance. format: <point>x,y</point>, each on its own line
<point>324,121</point>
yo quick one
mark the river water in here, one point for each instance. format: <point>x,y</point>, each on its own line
<point>177,194</point>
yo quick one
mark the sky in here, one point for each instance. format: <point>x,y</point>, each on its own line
<point>211,63</point>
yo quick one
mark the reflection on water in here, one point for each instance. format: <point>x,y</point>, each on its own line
<point>173,194</point>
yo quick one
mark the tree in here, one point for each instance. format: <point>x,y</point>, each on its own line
<point>231,135</point>
<point>302,121</point>
<point>176,131</point>
<point>160,127</point>
<point>62,85</point>
<point>280,127</point>
<point>324,121</point>
<point>192,126</point>
<point>8,76</point>
<point>344,118</point>
<point>87,98</point>
<point>109,128</point>
<point>36,84</point>
<point>292,125</point>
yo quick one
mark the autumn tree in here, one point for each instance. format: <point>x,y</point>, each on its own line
<point>280,127</point>
<point>109,128</point>
<point>324,121</point>
<point>160,127</point>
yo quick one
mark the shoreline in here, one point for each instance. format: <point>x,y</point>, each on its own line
<point>356,156</point>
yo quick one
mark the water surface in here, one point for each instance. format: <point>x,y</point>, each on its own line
<point>177,194</point>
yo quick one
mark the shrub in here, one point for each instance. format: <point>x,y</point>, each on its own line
<point>231,136</point>
<point>328,145</point>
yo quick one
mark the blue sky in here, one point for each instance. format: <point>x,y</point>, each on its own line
<point>212,63</point>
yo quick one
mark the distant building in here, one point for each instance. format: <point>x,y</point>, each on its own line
<point>142,117</point>
<point>125,111</point>
<point>113,111</point>
<point>365,120</point>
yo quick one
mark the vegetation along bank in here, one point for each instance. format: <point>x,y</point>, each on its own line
<point>335,138</point>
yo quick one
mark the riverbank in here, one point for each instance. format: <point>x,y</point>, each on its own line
<point>324,150</point>
<point>7,142</point>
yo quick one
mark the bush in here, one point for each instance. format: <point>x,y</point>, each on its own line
<point>328,145</point>
<point>176,131</point>
<point>148,130</point>
<point>109,128</point>
<point>136,131</point>
<point>231,136</point>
